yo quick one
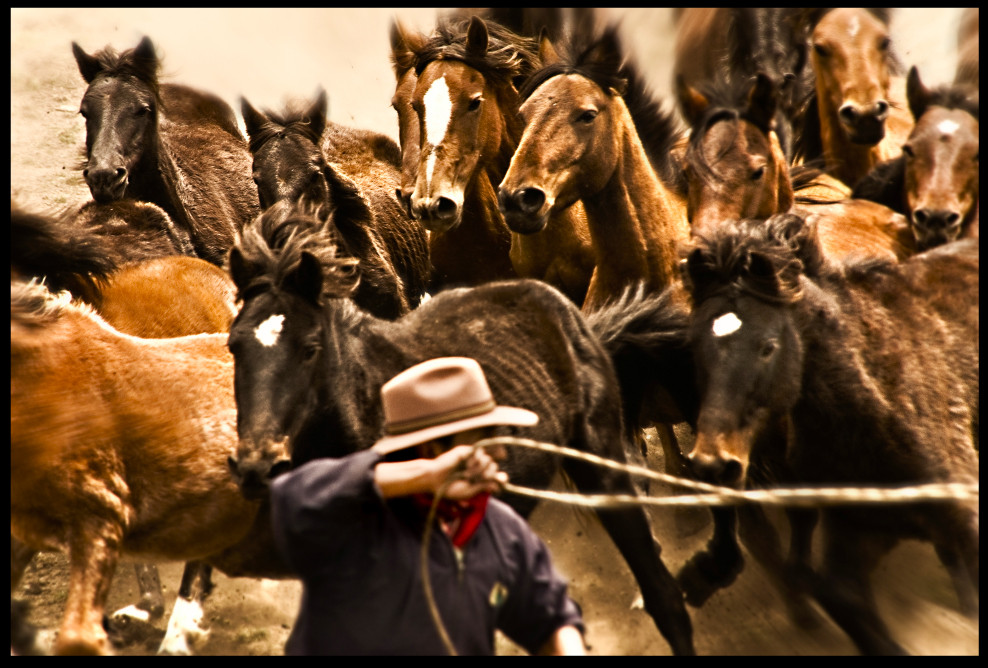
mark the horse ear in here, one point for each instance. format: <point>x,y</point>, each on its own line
<point>405,45</point>
<point>547,51</point>
<point>606,52</point>
<point>253,119</point>
<point>306,279</point>
<point>146,59</point>
<point>477,37</point>
<point>762,102</point>
<point>241,271</point>
<point>696,273</point>
<point>317,113</point>
<point>917,94</point>
<point>692,101</point>
<point>89,66</point>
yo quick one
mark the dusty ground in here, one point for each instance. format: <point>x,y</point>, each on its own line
<point>269,55</point>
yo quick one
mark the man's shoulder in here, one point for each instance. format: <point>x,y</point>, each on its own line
<point>503,514</point>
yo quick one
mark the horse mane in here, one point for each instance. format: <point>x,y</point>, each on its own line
<point>128,63</point>
<point>955,96</point>
<point>761,258</point>
<point>508,56</point>
<point>273,245</point>
<point>70,257</point>
<point>293,120</point>
<point>657,127</point>
<point>728,100</point>
<point>34,305</point>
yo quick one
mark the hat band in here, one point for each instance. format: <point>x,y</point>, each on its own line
<point>452,416</point>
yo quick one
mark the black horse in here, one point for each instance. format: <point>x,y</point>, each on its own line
<point>936,180</point>
<point>298,154</point>
<point>863,374</point>
<point>167,144</point>
<point>309,366</point>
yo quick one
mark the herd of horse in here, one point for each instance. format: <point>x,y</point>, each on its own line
<point>791,270</point>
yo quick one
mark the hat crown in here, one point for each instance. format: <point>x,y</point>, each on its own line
<point>434,392</point>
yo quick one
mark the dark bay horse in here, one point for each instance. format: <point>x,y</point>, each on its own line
<point>168,144</point>
<point>113,439</point>
<point>935,182</point>
<point>874,366</point>
<point>741,42</point>
<point>299,154</point>
<point>736,168</point>
<point>855,115</point>
<point>466,100</point>
<point>309,366</point>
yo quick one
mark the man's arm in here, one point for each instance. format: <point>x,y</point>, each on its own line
<point>480,474</point>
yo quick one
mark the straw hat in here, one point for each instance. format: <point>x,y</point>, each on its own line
<point>440,397</point>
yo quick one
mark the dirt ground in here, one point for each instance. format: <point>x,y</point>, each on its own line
<point>269,55</point>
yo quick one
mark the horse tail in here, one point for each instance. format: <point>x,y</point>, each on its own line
<point>67,256</point>
<point>645,335</point>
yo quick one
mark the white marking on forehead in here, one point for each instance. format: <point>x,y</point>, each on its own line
<point>726,324</point>
<point>948,127</point>
<point>855,26</point>
<point>438,108</point>
<point>267,332</point>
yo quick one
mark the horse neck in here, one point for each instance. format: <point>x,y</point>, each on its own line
<point>560,254</point>
<point>155,179</point>
<point>635,221</point>
<point>476,250</point>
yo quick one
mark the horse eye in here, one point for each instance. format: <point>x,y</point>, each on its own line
<point>143,111</point>
<point>884,44</point>
<point>821,50</point>
<point>768,348</point>
<point>588,116</point>
<point>757,174</point>
<point>310,351</point>
<point>474,104</point>
<point>908,150</point>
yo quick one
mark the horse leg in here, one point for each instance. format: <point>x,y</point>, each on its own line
<point>184,625</point>
<point>93,558</point>
<point>957,545</point>
<point>845,590</point>
<point>716,566</point>
<point>631,532</point>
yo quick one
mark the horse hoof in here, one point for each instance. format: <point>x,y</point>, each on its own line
<point>701,577</point>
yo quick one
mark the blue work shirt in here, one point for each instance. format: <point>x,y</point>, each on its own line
<point>359,560</point>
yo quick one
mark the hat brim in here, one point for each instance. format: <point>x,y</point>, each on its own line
<point>501,415</point>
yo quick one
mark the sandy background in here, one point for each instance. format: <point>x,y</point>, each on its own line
<point>269,55</point>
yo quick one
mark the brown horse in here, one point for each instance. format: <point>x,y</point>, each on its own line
<point>874,365</point>
<point>856,116</point>
<point>171,145</point>
<point>466,100</point>
<point>581,143</point>
<point>935,182</point>
<point>113,437</point>
<point>739,43</point>
<point>300,154</point>
<point>736,169</point>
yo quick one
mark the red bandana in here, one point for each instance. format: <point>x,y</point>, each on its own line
<point>460,519</point>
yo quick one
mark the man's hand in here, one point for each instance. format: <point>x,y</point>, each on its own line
<point>475,469</point>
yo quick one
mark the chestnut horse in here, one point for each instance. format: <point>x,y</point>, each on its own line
<point>935,182</point>
<point>736,169</point>
<point>873,365</point>
<point>581,143</point>
<point>113,438</point>
<point>171,145</point>
<point>855,117</point>
<point>466,101</point>
<point>299,154</point>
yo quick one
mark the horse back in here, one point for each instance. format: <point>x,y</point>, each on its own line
<point>182,104</point>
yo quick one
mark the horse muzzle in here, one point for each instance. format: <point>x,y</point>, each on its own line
<point>525,210</point>
<point>713,460</point>
<point>107,184</point>
<point>253,468</point>
<point>436,214</point>
<point>864,124</point>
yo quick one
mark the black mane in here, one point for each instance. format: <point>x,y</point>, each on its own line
<point>290,121</point>
<point>508,55</point>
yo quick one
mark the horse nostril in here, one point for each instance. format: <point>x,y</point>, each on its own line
<point>121,172</point>
<point>881,109</point>
<point>530,200</point>
<point>85,173</point>
<point>942,219</point>
<point>444,208</point>
<point>715,469</point>
<point>847,113</point>
<point>279,467</point>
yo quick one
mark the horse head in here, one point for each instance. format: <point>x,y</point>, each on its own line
<point>121,107</point>
<point>281,268</point>
<point>941,162</point>
<point>288,161</point>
